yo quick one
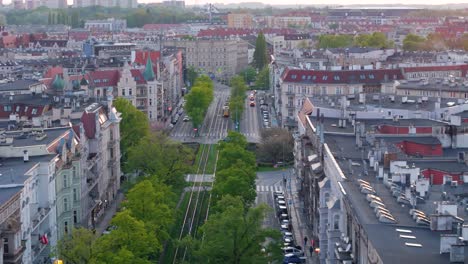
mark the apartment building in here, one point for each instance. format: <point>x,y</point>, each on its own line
<point>110,24</point>
<point>240,20</point>
<point>288,21</point>
<point>220,58</point>
<point>295,85</point>
<point>106,3</point>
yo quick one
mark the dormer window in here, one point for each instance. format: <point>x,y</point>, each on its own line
<point>336,78</point>
<point>294,76</point>
<point>324,78</point>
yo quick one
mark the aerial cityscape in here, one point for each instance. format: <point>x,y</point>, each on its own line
<point>229,132</point>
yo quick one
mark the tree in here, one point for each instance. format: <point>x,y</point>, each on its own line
<point>199,99</point>
<point>413,42</point>
<point>192,75</point>
<point>249,74</point>
<point>276,145</point>
<point>129,239</point>
<point>260,56</point>
<point>238,180</point>
<point>334,41</point>
<point>235,235</point>
<point>374,40</point>
<point>263,79</point>
<point>237,101</point>
<point>149,203</point>
<point>133,128</point>
<point>76,248</point>
<point>159,156</point>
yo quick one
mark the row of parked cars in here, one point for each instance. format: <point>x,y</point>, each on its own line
<point>266,117</point>
<point>292,252</point>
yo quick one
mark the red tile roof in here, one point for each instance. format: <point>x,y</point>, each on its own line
<point>344,76</point>
<point>141,56</point>
<point>23,109</point>
<point>138,76</point>
<point>53,71</point>
<point>103,78</point>
<point>89,124</point>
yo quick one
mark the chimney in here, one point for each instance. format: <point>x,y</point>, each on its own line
<point>25,156</point>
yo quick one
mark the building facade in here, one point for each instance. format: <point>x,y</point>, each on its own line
<point>240,20</point>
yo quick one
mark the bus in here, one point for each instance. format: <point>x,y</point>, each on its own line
<point>226,111</point>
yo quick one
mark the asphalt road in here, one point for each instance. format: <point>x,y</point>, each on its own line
<point>214,127</point>
<point>249,123</point>
<point>267,183</point>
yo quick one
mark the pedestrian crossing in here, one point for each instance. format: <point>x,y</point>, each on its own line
<point>269,188</point>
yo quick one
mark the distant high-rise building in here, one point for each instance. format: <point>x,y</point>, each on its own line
<point>106,3</point>
<point>174,3</point>
<point>243,20</point>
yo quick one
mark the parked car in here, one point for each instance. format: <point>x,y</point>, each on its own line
<point>186,118</point>
<point>293,250</point>
<point>278,193</point>
<point>291,258</point>
<point>283,216</point>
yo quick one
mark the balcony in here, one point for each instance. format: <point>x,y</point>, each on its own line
<point>142,95</point>
<point>111,163</point>
<point>15,258</point>
<point>91,180</point>
<point>39,217</point>
<point>290,106</point>
<point>290,93</point>
<point>141,107</point>
<point>111,143</point>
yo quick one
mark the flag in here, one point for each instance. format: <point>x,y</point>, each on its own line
<point>44,240</point>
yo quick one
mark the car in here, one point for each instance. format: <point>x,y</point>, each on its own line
<point>278,193</point>
<point>252,103</point>
<point>285,228</point>
<point>282,210</point>
<point>186,118</point>
<point>293,250</point>
<point>281,202</point>
<point>279,197</point>
<point>181,111</point>
<point>283,216</point>
<point>291,258</point>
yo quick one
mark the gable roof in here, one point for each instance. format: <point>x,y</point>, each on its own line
<point>141,56</point>
<point>344,76</point>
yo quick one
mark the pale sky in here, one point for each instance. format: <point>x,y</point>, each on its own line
<point>331,2</point>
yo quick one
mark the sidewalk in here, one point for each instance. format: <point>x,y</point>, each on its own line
<point>297,218</point>
<point>109,212</point>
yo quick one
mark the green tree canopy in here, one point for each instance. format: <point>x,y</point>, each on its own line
<point>235,235</point>
<point>334,41</point>
<point>199,99</point>
<point>131,236</point>
<point>192,75</point>
<point>150,204</point>
<point>249,74</point>
<point>260,56</point>
<point>413,42</point>
<point>374,40</point>
<point>158,155</point>
<point>76,248</point>
<point>133,127</point>
<point>263,79</point>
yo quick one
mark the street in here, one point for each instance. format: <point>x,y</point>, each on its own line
<point>214,127</point>
<point>249,125</point>
<point>267,183</point>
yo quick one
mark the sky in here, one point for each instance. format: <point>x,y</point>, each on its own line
<point>334,2</point>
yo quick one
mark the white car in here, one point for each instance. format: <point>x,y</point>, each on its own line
<point>293,250</point>
<point>186,118</point>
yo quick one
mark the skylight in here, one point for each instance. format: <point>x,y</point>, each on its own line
<point>413,245</point>
<point>404,230</point>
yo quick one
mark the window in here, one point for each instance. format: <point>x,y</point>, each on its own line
<point>294,76</point>
<point>123,92</point>
<point>303,77</point>
<point>75,217</point>
<point>336,222</point>
<point>75,195</point>
<point>362,76</point>
<point>17,109</point>
<point>150,102</point>
<point>6,250</point>
<point>324,78</point>
<point>74,172</point>
<point>34,111</point>
<point>336,78</point>
<point>65,181</point>
<point>6,108</point>
<point>130,91</point>
<point>65,227</point>
<point>65,204</point>
<point>371,76</point>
